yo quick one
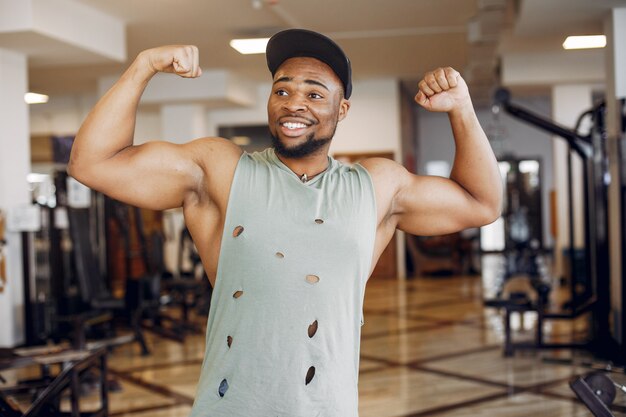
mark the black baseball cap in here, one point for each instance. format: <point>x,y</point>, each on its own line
<point>293,43</point>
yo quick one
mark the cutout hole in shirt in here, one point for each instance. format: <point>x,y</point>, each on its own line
<point>319,221</point>
<point>229,341</point>
<point>312,279</point>
<point>309,375</point>
<point>237,294</point>
<point>280,255</point>
<point>312,329</point>
<point>223,387</point>
<point>237,231</point>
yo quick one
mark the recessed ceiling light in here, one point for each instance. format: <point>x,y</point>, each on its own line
<point>34,98</point>
<point>250,46</point>
<point>584,42</point>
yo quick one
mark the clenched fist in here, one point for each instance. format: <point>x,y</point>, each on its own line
<point>443,90</point>
<point>182,60</point>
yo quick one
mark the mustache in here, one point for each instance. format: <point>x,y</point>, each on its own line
<point>297,116</point>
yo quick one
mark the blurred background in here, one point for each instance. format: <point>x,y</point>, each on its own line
<point>77,267</point>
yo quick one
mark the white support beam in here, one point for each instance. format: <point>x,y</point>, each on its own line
<point>60,32</point>
<point>14,166</point>
<point>550,68</point>
<point>214,89</point>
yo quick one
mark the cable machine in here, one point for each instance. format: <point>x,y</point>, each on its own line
<point>594,298</point>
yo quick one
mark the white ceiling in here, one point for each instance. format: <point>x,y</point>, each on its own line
<point>384,38</point>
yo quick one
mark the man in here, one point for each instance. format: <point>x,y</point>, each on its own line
<point>296,233</point>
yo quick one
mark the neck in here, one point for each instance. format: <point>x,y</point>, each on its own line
<point>308,166</point>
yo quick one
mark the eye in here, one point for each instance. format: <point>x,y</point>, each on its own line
<point>280,92</point>
<point>316,95</point>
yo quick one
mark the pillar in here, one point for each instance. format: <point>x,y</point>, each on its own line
<point>569,101</point>
<point>14,166</point>
<point>615,31</point>
<point>180,123</point>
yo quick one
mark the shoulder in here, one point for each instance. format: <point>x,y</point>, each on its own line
<point>386,172</point>
<point>389,179</point>
<point>215,160</point>
<point>213,152</point>
<point>375,164</point>
<point>213,147</point>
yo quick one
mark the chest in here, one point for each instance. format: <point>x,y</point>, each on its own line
<point>273,220</point>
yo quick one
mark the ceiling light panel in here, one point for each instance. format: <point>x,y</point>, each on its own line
<point>250,46</point>
<point>585,42</point>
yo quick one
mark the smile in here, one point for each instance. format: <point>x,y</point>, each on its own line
<point>294,125</point>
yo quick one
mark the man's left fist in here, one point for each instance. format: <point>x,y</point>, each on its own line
<point>442,90</point>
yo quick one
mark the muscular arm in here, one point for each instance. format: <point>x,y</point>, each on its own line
<point>156,175</point>
<point>471,197</point>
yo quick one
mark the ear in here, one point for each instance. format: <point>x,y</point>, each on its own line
<point>344,106</point>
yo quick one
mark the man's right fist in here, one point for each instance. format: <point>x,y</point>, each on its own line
<point>182,60</point>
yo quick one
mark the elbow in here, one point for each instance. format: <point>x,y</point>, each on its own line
<point>492,208</point>
<point>496,206</point>
<point>491,212</point>
<point>76,166</point>
<point>77,171</point>
<point>484,218</point>
<point>73,169</point>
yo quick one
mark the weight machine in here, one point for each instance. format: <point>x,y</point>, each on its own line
<point>593,296</point>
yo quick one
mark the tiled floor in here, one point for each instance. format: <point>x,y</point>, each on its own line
<point>429,348</point>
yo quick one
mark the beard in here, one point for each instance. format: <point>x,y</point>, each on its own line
<point>310,146</point>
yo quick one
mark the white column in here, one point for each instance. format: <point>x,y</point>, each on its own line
<point>180,123</point>
<point>615,31</point>
<point>568,102</point>
<point>14,166</point>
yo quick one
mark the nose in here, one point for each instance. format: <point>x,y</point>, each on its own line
<point>294,104</point>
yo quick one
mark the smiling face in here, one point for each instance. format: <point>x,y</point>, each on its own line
<point>304,107</point>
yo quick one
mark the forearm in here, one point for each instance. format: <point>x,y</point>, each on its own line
<point>475,166</point>
<point>109,127</point>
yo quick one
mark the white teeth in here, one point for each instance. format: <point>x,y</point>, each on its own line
<point>290,125</point>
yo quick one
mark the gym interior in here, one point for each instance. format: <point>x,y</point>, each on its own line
<point>104,305</point>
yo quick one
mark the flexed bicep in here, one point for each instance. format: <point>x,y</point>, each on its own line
<point>159,175</point>
<point>155,175</point>
<point>423,205</point>
<point>429,205</point>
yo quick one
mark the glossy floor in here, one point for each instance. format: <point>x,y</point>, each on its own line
<point>429,348</point>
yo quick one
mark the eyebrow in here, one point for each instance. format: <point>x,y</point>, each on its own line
<point>312,82</point>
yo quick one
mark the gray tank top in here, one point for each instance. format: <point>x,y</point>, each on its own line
<point>285,320</point>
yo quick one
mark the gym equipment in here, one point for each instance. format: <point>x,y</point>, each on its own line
<point>593,296</point>
<point>597,391</point>
<point>191,288</point>
<point>74,365</point>
<point>591,149</point>
<point>534,296</point>
<point>93,291</point>
<point>144,271</point>
<point>65,290</point>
